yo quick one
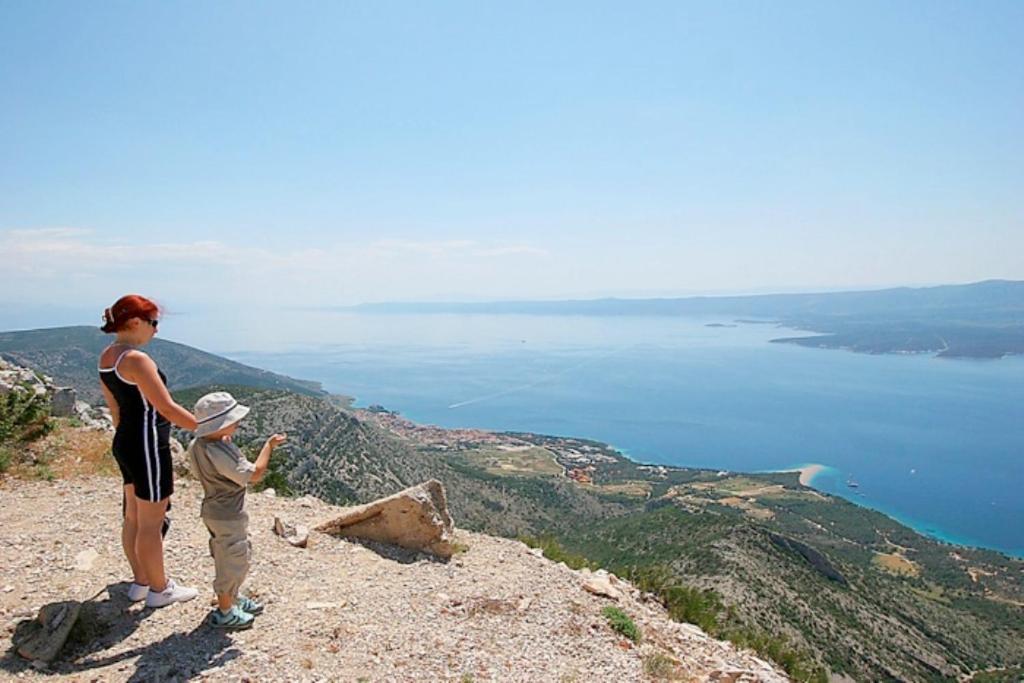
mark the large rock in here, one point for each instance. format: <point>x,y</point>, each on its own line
<point>416,518</point>
<point>46,636</point>
<point>602,583</point>
<point>94,418</point>
<point>62,402</point>
<point>13,377</point>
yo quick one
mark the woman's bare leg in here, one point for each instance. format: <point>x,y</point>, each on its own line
<point>149,544</point>
<point>129,534</point>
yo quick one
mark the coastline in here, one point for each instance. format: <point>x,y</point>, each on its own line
<point>809,472</point>
<point>809,475</point>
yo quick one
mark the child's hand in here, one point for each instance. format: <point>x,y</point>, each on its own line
<point>276,440</point>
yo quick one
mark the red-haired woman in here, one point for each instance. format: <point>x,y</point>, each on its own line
<point>142,408</point>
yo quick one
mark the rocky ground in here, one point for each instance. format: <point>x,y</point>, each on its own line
<point>336,610</point>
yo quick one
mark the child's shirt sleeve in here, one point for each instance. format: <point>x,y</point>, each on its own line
<point>229,462</point>
<point>191,457</point>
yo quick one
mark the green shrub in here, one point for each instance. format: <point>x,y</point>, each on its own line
<point>553,550</point>
<point>684,603</point>
<point>660,666</point>
<point>777,648</point>
<point>45,472</point>
<point>21,411</point>
<point>1012,675</point>
<point>621,623</point>
<point>705,609</point>
<point>24,416</point>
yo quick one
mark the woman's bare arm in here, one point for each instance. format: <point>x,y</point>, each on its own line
<point>140,368</point>
<point>115,410</point>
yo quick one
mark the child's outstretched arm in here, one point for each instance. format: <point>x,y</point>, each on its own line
<point>263,460</point>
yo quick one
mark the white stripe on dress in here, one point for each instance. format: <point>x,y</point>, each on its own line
<point>118,372</point>
<point>145,444</point>
<point>156,453</point>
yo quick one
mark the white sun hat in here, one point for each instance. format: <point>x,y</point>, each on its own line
<point>217,410</point>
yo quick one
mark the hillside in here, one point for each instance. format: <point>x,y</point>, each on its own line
<point>69,355</point>
<point>344,457</point>
<point>814,582</point>
<point>863,594</point>
<point>337,610</point>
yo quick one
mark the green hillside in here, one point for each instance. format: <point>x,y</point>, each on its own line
<point>69,355</point>
<point>814,582</point>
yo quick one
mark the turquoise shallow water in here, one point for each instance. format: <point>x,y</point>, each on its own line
<point>938,444</point>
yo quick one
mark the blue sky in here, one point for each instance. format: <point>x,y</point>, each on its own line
<point>332,153</point>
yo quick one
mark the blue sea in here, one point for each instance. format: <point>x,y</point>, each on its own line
<point>935,443</point>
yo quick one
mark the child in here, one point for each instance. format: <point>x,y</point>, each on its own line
<point>224,472</point>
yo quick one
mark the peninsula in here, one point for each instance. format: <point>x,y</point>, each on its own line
<point>978,320</point>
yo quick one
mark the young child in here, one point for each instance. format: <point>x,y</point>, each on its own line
<point>224,472</point>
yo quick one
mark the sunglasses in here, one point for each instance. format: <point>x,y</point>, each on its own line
<point>152,323</point>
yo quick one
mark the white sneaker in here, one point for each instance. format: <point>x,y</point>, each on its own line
<point>171,594</point>
<point>137,592</point>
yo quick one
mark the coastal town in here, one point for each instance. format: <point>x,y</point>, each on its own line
<point>579,459</point>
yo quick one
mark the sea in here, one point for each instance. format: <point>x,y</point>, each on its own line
<point>936,443</point>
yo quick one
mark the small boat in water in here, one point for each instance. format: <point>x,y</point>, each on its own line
<point>851,483</point>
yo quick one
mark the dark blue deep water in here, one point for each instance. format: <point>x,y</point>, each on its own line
<point>938,444</point>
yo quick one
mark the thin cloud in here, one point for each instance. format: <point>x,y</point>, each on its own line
<point>51,252</point>
<point>44,233</point>
<point>512,251</point>
<point>46,250</point>
<point>432,248</point>
<point>457,248</point>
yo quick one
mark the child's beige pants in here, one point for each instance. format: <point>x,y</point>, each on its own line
<point>229,545</point>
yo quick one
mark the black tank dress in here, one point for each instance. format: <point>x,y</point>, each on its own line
<point>142,442</point>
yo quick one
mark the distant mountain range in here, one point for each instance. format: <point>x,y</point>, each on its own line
<point>979,320</point>
<point>70,355</point>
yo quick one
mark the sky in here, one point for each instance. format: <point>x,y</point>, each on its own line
<point>290,154</point>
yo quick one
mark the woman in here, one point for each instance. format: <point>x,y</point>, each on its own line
<point>142,409</point>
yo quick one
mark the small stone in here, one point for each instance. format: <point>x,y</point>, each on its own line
<point>296,535</point>
<point>599,584</point>
<point>84,559</point>
<point>326,605</point>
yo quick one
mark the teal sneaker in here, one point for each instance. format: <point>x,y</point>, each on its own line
<point>235,619</point>
<point>249,605</point>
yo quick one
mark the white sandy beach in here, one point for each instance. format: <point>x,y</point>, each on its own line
<point>808,472</point>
